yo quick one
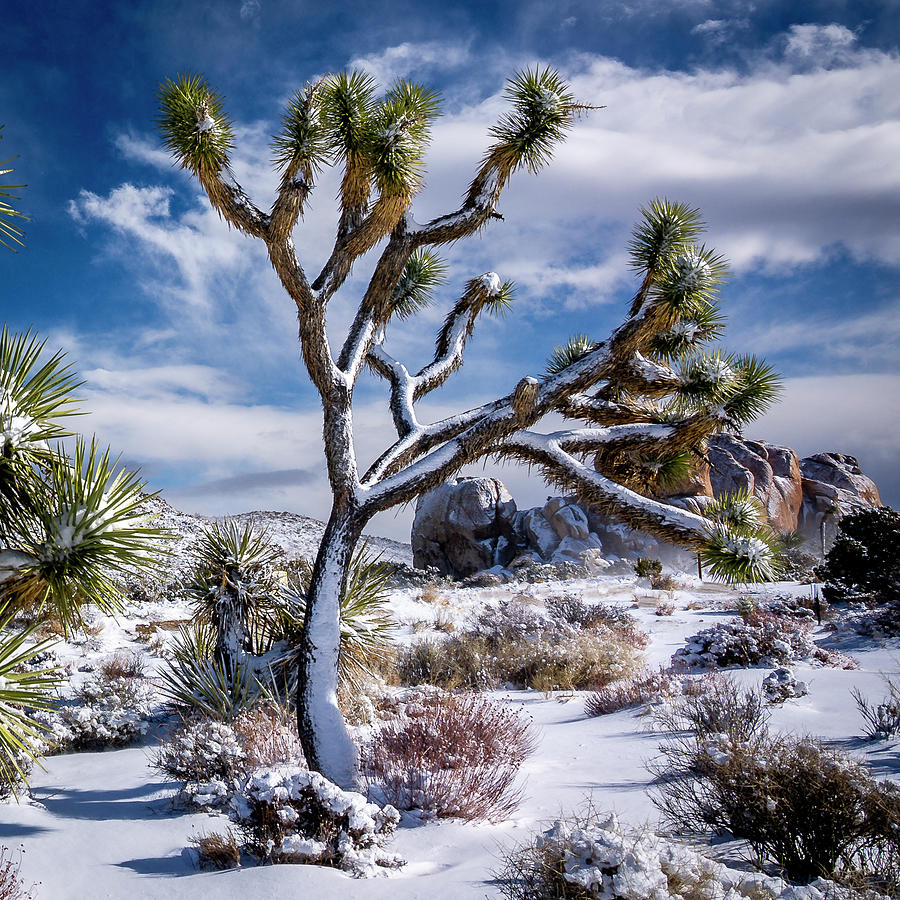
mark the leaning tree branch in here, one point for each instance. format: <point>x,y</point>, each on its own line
<point>610,498</point>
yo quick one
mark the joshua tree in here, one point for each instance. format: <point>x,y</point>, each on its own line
<point>655,395</point>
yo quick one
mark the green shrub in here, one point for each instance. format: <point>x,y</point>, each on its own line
<point>864,561</point>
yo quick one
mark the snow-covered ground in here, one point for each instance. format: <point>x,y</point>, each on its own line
<point>104,825</point>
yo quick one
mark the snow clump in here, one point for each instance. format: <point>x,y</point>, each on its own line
<point>614,863</point>
<point>292,815</point>
<point>781,684</point>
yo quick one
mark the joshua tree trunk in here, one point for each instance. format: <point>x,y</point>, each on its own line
<point>323,733</point>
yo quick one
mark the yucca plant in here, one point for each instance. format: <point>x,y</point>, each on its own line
<point>210,687</point>
<point>366,623</point>
<point>69,522</point>
<point>235,589</point>
<point>8,213</point>
<point>21,689</point>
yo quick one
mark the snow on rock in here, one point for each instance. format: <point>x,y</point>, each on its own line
<point>349,830</point>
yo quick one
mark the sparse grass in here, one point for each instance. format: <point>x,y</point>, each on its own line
<point>665,608</point>
<point>663,582</point>
<point>882,720</point>
<point>641,688</point>
<point>217,850</point>
<point>123,664</point>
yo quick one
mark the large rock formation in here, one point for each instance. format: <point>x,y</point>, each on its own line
<point>770,473</point>
<point>472,524</point>
<point>464,526</point>
<point>833,485</point>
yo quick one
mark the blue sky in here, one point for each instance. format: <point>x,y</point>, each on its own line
<point>780,120</point>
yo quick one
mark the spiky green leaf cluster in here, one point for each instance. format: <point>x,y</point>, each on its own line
<point>736,389</point>
<point>575,348</point>
<point>666,229</point>
<point>397,138</point>
<point>88,527</point>
<point>193,124</point>
<point>741,555</point>
<point>241,560</point>
<point>8,231</point>
<point>738,509</point>
<point>687,282</point>
<point>366,623</point>
<point>423,273</point>
<point>302,145</point>
<point>688,334</point>
<point>347,103</point>
<point>21,688</point>
<point>543,110</point>
<point>209,687</point>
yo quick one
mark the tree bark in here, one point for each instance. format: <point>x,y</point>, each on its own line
<point>327,744</point>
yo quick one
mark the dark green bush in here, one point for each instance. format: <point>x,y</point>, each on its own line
<point>864,561</point>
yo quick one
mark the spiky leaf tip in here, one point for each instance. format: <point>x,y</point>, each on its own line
<point>398,137</point>
<point>543,110</point>
<point>741,556</point>
<point>753,389</point>
<point>193,124</point>
<point>423,274</point>
<point>666,229</point>
<point>575,348</point>
<point>736,509</point>
<point>8,231</point>
<point>688,334</point>
<point>347,100</point>
<point>302,145</point>
<point>687,282</point>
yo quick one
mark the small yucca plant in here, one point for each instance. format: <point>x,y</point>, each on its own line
<point>366,623</point>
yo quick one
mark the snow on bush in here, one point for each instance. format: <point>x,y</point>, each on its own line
<point>291,815</point>
<point>759,639</point>
<point>207,757</point>
<point>781,684</point>
<point>450,755</point>
<point>103,712</point>
<point>212,758</point>
<point>648,686</point>
<point>594,856</point>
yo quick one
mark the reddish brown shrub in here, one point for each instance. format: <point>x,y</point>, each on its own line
<point>635,691</point>
<point>451,755</point>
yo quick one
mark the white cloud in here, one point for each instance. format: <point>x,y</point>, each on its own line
<point>820,45</point>
<point>788,162</point>
<point>411,59</point>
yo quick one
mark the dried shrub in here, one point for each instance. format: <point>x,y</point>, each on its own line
<point>663,582</point>
<point>642,688</point>
<point>123,664</point>
<point>210,758</point>
<point>268,736</point>
<point>104,712</point>
<point>810,809</point>
<point>217,850</point>
<point>585,660</point>
<point>665,608</point>
<point>760,637</point>
<point>451,755</point>
<point>459,662</point>
<point>591,856</point>
<point>714,705</point>
<point>882,720</point>
<point>578,646</point>
<point>11,885</point>
<point>431,593</point>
